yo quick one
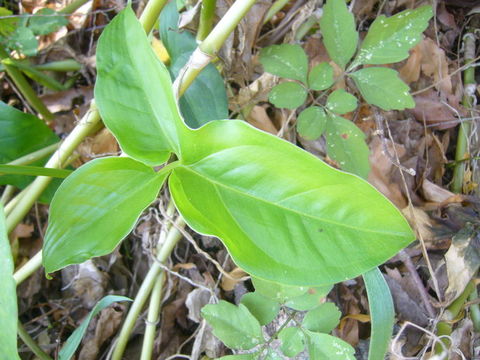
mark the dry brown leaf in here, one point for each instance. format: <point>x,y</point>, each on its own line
<point>420,222</point>
<point>410,72</point>
<point>462,260</point>
<point>431,108</point>
<point>435,65</point>
<point>435,193</point>
<point>236,275</point>
<point>259,118</point>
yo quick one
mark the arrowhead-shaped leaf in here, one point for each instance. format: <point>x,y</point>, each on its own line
<point>288,95</point>
<point>338,29</point>
<point>389,39</point>
<point>134,92</point>
<point>346,145</point>
<point>311,122</point>
<point>286,60</point>
<point>272,204</point>
<point>341,102</point>
<point>95,208</point>
<point>8,296</point>
<point>234,325</point>
<point>320,77</point>
<point>382,87</point>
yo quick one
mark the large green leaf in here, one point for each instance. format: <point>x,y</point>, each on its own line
<point>272,204</point>
<point>234,325</point>
<point>323,347</point>
<point>389,39</point>
<point>338,29</point>
<point>8,297</point>
<point>22,134</point>
<point>95,208</point>
<point>322,319</point>
<point>285,60</point>
<point>346,145</point>
<point>73,341</point>
<point>293,341</point>
<point>382,87</point>
<point>134,92</point>
<point>206,98</point>
<point>382,313</point>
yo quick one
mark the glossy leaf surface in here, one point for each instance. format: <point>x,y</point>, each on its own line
<point>338,29</point>
<point>341,102</point>
<point>277,291</point>
<point>323,319</point>
<point>234,325</point>
<point>320,77</point>
<point>312,122</point>
<point>286,60</point>
<point>73,341</point>
<point>382,87</point>
<point>323,347</point>
<point>206,98</point>
<point>289,95</point>
<point>346,145</point>
<point>8,297</point>
<point>292,341</point>
<point>95,208</point>
<point>133,92</point>
<point>263,308</point>
<point>382,313</point>
<point>272,204</point>
<point>389,39</point>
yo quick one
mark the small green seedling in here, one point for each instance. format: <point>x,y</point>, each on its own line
<point>19,33</point>
<point>387,41</point>
<point>309,322</point>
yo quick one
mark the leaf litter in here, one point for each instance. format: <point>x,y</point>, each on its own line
<point>438,268</point>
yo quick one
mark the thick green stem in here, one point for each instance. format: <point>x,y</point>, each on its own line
<point>173,236</point>
<point>25,88</point>
<point>72,7</point>
<point>85,126</point>
<point>475,309</point>
<point>211,45</point>
<point>7,194</point>
<point>150,14</point>
<point>207,14</point>
<point>152,318</point>
<point>36,155</point>
<point>60,66</point>
<point>28,269</point>
<point>465,126</point>
<point>444,327</point>
<point>32,345</point>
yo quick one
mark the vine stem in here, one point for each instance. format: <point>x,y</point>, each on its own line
<point>86,125</point>
<point>209,47</point>
<point>461,151</point>
<point>173,236</point>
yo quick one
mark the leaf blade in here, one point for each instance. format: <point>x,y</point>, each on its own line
<point>382,87</point>
<point>80,222</point>
<point>389,39</point>
<point>8,296</point>
<point>133,84</point>
<point>231,181</point>
<point>289,95</point>
<point>340,36</point>
<point>286,60</point>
